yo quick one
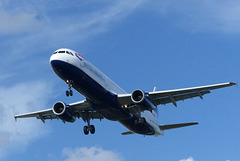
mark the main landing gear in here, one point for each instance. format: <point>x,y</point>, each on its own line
<point>88,128</point>
<point>69,92</point>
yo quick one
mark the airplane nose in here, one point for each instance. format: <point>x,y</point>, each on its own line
<point>57,66</point>
<point>51,58</point>
<point>52,61</point>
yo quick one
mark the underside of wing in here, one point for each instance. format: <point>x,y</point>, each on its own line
<point>43,115</point>
<point>174,98</point>
<point>65,112</point>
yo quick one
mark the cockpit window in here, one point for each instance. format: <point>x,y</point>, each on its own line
<point>68,52</point>
<point>63,51</point>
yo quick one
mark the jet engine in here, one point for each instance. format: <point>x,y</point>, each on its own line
<point>142,100</point>
<point>63,111</point>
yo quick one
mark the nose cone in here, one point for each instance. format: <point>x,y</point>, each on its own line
<point>58,62</point>
<point>61,63</point>
<point>52,60</point>
<point>54,65</point>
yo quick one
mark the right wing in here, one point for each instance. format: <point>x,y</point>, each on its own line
<point>80,109</point>
<point>172,96</point>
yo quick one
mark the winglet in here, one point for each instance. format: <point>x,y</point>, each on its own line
<point>154,89</point>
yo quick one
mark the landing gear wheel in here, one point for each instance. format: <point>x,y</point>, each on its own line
<point>67,93</point>
<point>71,92</point>
<point>86,130</point>
<point>89,128</point>
<point>92,129</point>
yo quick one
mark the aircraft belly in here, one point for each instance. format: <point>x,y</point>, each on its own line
<point>102,100</point>
<point>144,129</point>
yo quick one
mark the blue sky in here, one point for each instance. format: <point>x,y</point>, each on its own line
<point>138,44</point>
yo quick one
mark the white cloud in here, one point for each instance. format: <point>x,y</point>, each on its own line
<point>98,21</point>
<point>32,27</point>
<point>17,23</point>
<point>47,25</point>
<point>19,99</point>
<point>6,76</point>
<point>58,21</point>
<point>203,15</point>
<point>188,159</point>
<point>90,154</point>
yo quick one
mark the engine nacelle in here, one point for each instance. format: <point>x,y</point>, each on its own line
<point>142,100</point>
<point>63,112</point>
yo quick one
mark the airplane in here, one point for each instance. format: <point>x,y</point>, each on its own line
<point>137,111</point>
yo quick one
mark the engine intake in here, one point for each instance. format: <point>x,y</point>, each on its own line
<point>142,100</point>
<point>63,111</point>
<point>137,96</point>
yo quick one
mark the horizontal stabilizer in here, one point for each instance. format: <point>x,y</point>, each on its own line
<point>174,126</point>
<point>127,133</point>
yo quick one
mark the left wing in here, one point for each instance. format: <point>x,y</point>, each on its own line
<point>172,96</point>
<point>80,109</point>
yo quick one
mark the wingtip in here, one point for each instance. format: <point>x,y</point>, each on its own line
<point>195,123</point>
<point>232,83</point>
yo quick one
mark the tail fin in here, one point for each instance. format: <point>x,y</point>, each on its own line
<point>174,126</point>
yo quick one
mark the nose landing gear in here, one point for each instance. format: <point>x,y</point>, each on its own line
<point>69,92</point>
